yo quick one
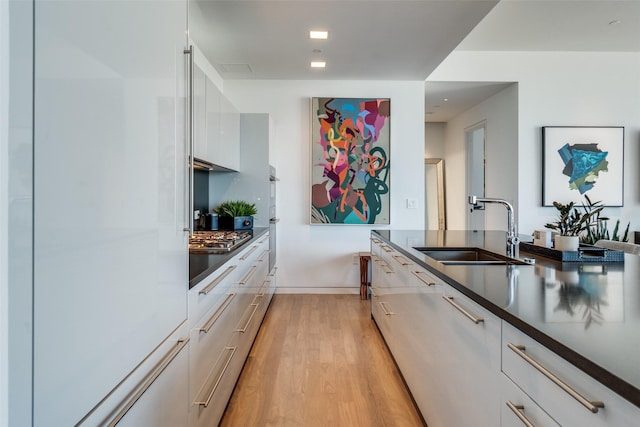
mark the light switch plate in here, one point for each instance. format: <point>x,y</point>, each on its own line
<point>412,203</point>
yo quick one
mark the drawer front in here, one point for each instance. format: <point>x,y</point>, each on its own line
<point>520,354</point>
<point>212,291</point>
<point>208,405</point>
<point>518,409</point>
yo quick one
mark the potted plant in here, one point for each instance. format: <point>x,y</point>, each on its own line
<point>236,215</point>
<point>570,224</point>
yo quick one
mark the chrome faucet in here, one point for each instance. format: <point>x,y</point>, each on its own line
<point>512,236</point>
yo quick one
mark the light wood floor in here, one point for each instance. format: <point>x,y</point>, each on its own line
<point>319,360</point>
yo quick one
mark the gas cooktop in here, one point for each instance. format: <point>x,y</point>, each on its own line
<point>217,242</point>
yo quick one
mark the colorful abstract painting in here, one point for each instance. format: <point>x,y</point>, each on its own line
<point>350,160</point>
<point>579,161</point>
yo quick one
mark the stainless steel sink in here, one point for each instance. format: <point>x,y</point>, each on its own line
<point>468,256</point>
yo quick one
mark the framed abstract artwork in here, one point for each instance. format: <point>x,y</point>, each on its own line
<point>579,161</point>
<point>350,160</point>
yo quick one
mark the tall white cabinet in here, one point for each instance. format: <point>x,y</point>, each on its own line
<point>110,259</point>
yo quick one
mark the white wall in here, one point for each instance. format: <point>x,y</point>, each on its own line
<point>556,89</point>
<point>321,257</point>
<point>434,137</point>
<point>501,120</point>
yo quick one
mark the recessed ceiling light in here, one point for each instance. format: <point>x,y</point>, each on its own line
<point>318,64</point>
<point>615,22</point>
<point>316,51</point>
<point>320,35</point>
<point>445,99</point>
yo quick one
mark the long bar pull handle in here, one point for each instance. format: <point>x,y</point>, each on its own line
<point>591,405</point>
<point>449,299</point>
<point>217,314</point>
<point>264,255</point>
<point>246,326</point>
<point>249,252</point>
<point>190,143</point>
<point>247,276</point>
<point>386,269</point>
<point>384,309</point>
<point>518,411</point>
<point>402,260</point>
<point>387,248</point>
<point>419,274</point>
<point>149,379</point>
<point>205,402</point>
<point>217,280</point>
<point>373,292</point>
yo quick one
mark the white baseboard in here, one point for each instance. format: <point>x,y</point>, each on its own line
<point>301,290</point>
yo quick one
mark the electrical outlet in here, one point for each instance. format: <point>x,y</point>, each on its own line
<point>354,259</point>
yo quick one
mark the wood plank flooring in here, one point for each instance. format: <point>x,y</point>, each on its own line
<point>319,360</point>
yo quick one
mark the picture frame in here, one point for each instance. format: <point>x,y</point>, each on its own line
<point>350,161</point>
<point>583,160</point>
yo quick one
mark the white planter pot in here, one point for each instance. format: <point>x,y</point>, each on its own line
<point>567,243</point>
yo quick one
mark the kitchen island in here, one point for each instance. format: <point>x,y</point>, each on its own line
<point>586,313</point>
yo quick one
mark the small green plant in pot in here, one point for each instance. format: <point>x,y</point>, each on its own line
<point>236,215</point>
<point>571,223</point>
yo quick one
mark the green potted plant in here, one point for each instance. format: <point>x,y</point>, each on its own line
<point>236,215</point>
<point>571,223</point>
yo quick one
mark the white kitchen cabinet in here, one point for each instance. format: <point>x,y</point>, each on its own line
<point>110,260</point>
<point>212,123</point>
<point>470,366</point>
<point>520,354</point>
<point>200,144</point>
<point>228,308</point>
<point>227,151</point>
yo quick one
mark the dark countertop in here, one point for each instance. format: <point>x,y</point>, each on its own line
<point>588,313</point>
<point>201,265</point>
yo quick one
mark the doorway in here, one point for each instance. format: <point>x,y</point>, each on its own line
<point>475,137</point>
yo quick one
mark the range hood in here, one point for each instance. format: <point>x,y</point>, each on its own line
<point>200,164</point>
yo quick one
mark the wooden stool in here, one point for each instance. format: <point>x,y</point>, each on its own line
<point>365,257</point>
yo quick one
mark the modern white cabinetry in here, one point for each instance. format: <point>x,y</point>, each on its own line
<point>110,259</point>
<point>227,309</point>
<point>212,123</point>
<point>227,150</point>
<point>568,395</point>
<point>200,144</point>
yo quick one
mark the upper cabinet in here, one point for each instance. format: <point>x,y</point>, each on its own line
<point>200,105</point>
<point>226,148</point>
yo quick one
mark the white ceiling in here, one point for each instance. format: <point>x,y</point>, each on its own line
<point>401,39</point>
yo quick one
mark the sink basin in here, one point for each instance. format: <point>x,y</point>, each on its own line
<point>468,256</point>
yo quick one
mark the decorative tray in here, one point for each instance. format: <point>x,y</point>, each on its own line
<point>585,253</point>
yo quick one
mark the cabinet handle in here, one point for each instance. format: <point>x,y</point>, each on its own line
<point>402,260</point>
<point>591,405</point>
<point>149,379</point>
<point>246,326</point>
<point>205,402</point>
<point>189,144</point>
<point>374,240</point>
<point>217,314</point>
<point>217,280</point>
<point>384,309</point>
<point>373,292</point>
<point>387,249</point>
<point>386,269</point>
<point>518,410</point>
<point>449,299</point>
<point>247,276</point>
<point>418,274</point>
<point>264,239</point>
<point>249,252</point>
<point>264,255</point>
<point>273,272</point>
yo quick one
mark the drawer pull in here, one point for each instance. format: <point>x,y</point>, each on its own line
<point>205,402</point>
<point>419,274</point>
<point>386,269</point>
<point>591,405</point>
<point>402,260</point>
<point>247,276</point>
<point>217,280</point>
<point>149,379</point>
<point>374,240</point>
<point>249,252</point>
<point>518,410</point>
<point>264,255</point>
<point>246,326</point>
<point>449,299</point>
<point>384,309</point>
<point>373,292</point>
<point>264,239</point>
<point>387,249</point>
<point>217,314</point>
